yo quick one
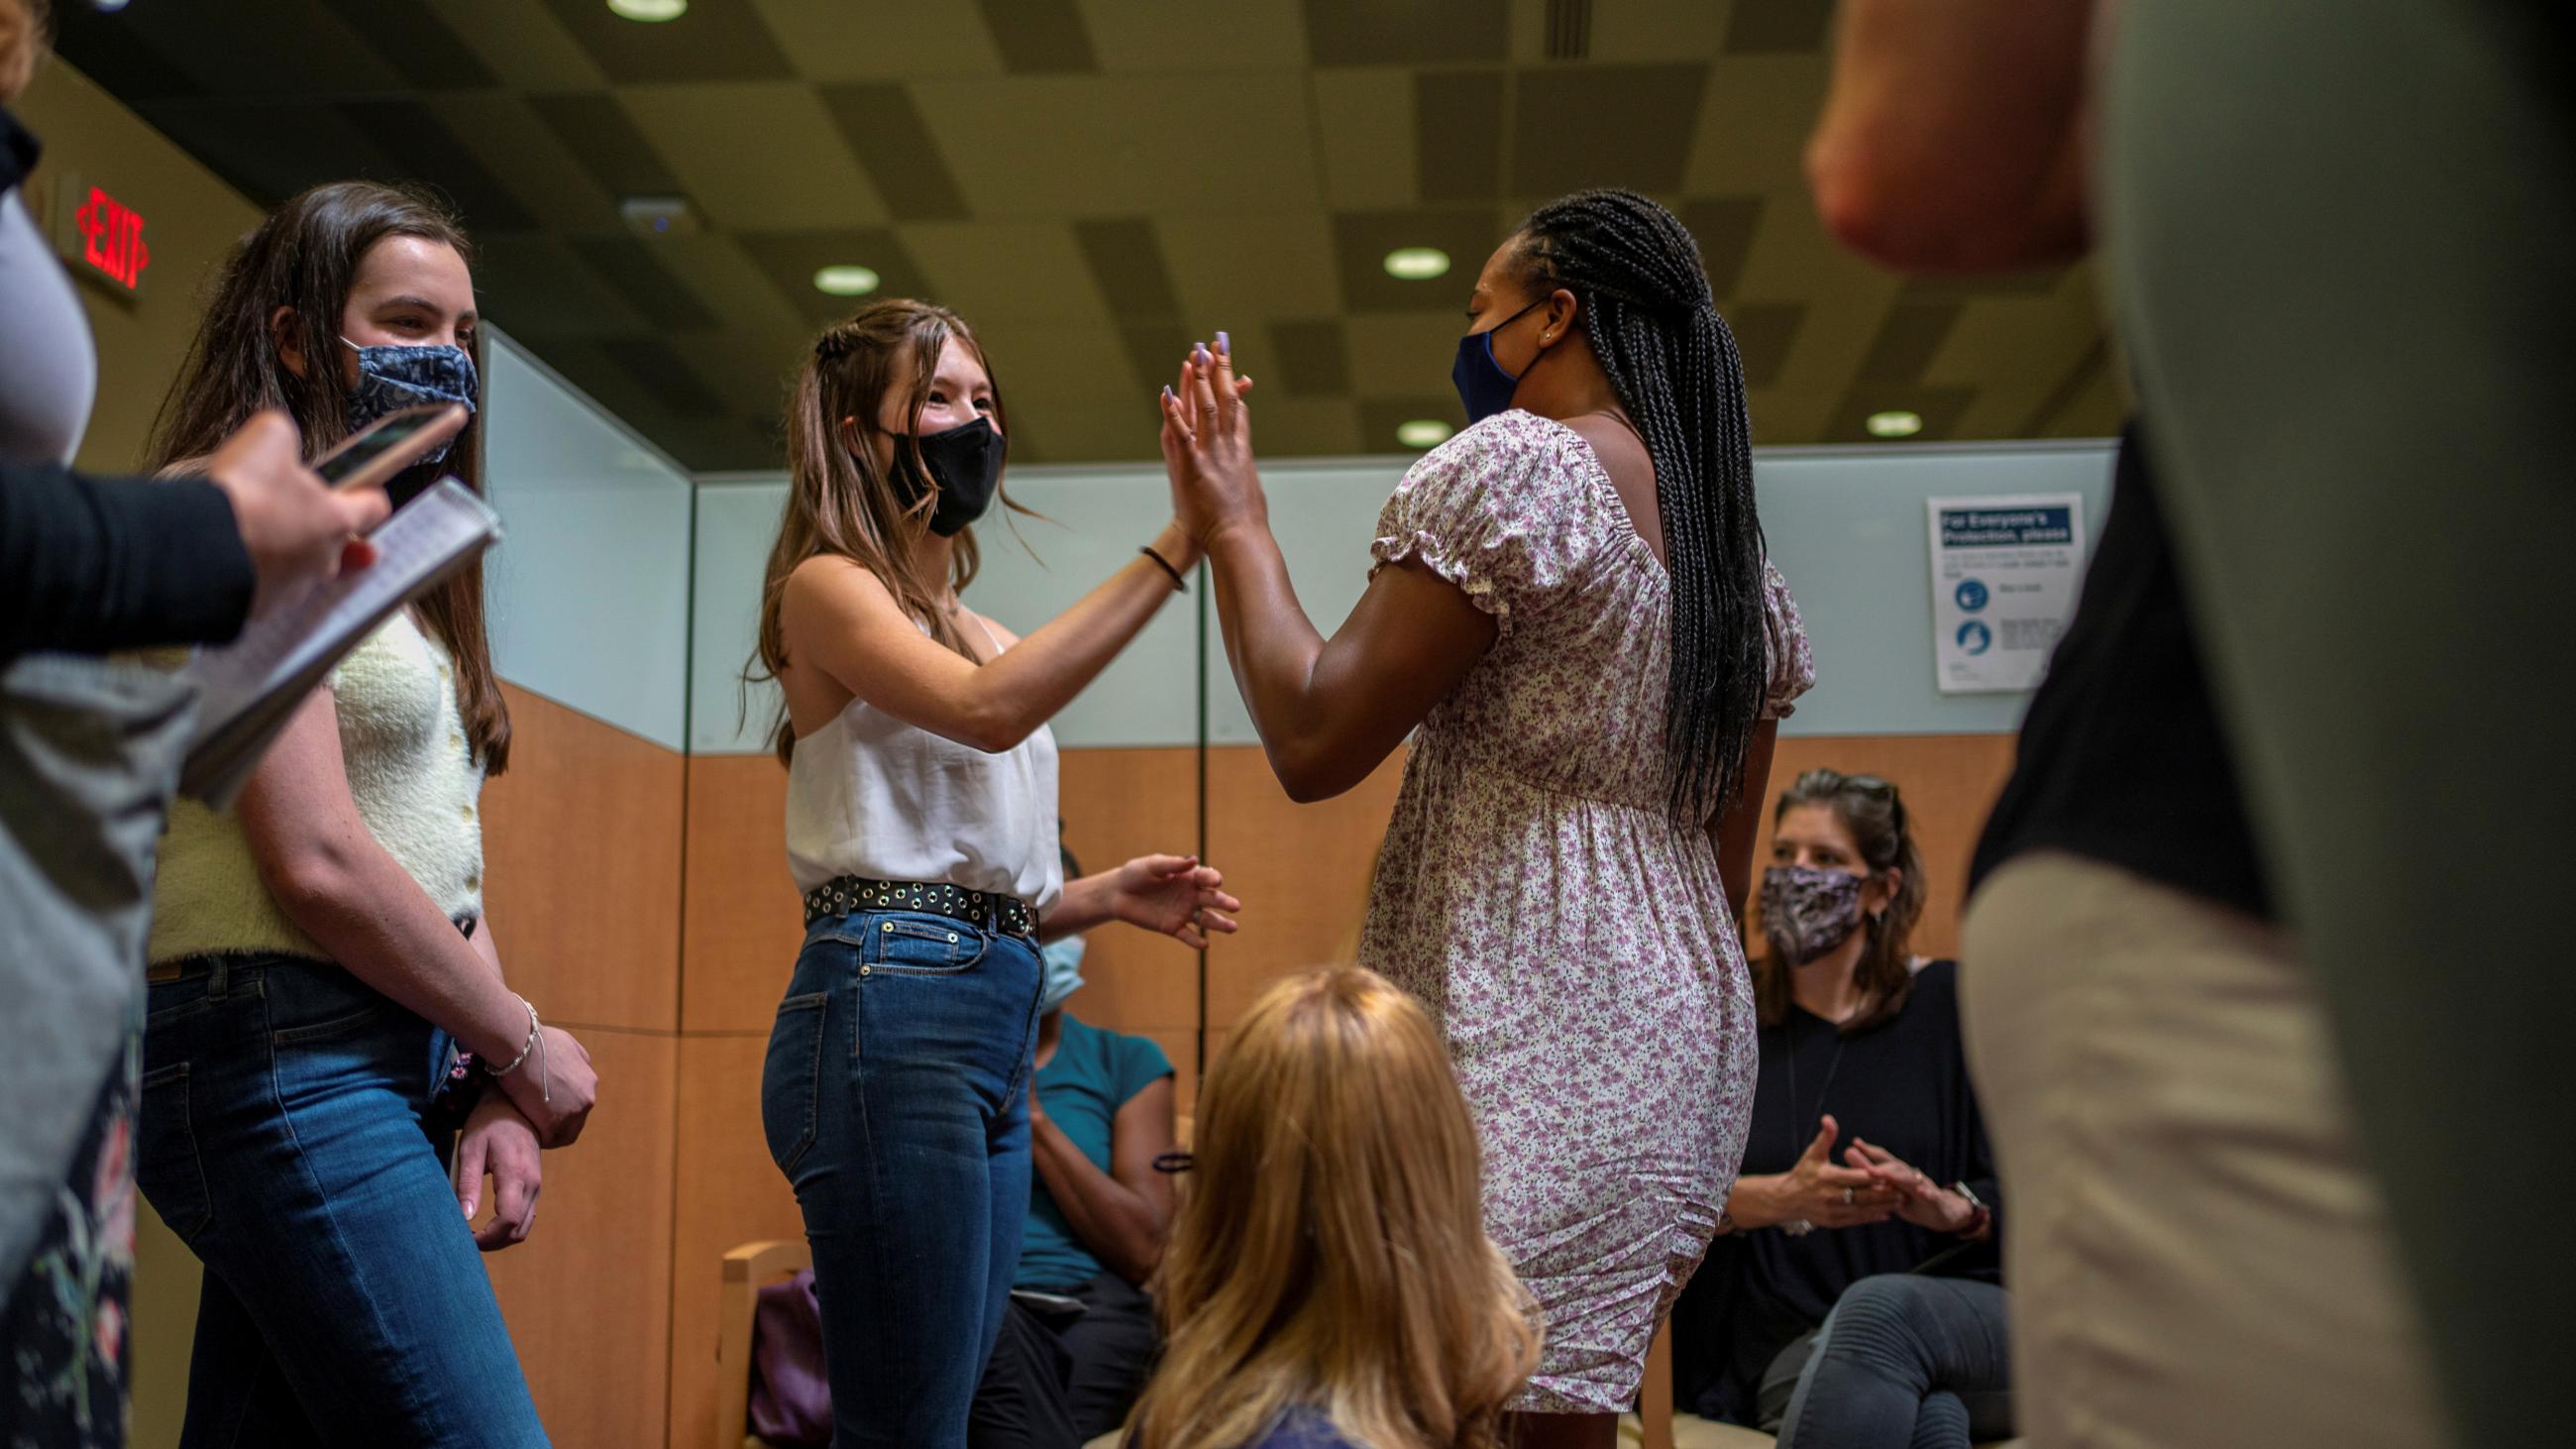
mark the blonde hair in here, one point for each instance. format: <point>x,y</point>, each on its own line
<point>1331,1252</point>
<point>839,502</point>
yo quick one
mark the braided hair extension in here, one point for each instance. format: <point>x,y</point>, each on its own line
<point>1644,301</point>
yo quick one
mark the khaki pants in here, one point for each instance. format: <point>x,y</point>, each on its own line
<point>2195,1254</point>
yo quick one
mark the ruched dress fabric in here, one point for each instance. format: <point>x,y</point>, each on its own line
<point>1567,929</point>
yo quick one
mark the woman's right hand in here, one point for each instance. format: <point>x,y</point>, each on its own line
<point>295,527</point>
<point>1814,1191</point>
<point>554,1088</point>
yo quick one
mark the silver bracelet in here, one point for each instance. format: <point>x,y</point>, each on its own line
<point>535,1042</point>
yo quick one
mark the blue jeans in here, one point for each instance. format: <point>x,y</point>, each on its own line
<point>894,1100</point>
<point>344,1300</point>
<point>1906,1362</point>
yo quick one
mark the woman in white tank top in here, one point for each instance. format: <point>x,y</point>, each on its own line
<point>921,829</point>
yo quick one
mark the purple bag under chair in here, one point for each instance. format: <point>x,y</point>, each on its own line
<point>791,1400</point>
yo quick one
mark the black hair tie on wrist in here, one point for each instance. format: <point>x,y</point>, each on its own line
<point>1179,586</point>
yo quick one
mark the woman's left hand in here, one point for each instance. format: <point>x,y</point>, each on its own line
<point>1207,445</point>
<point>1922,1202</point>
<point>498,1140</point>
<point>1175,895</point>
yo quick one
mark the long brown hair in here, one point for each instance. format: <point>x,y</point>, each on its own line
<point>1874,813</point>
<point>839,502</point>
<point>305,258</point>
<point>1330,1252</point>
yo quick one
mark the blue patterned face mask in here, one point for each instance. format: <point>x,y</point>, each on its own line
<point>391,378</point>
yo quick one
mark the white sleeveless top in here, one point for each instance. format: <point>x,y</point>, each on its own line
<point>873,797</point>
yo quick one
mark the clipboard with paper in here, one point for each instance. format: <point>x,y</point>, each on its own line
<point>248,689</point>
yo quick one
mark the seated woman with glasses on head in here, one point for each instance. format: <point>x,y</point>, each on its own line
<point>1853,1297</point>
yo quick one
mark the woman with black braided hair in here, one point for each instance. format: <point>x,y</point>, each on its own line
<point>1572,604</point>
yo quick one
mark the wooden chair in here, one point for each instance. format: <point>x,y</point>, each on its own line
<point>746,1270</point>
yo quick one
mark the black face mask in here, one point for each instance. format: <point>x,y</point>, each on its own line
<point>965,468</point>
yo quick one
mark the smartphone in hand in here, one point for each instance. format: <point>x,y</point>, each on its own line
<point>371,457</point>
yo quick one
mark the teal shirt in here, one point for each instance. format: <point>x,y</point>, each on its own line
<point>1092,1074</point>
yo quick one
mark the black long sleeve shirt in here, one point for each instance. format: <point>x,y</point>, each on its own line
<point>92,564</point>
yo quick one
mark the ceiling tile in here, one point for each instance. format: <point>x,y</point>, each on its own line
<point>305,50</point>
<point>523,45</point>
<point>523,154</point>
<point>1362,239</point>
<point>748,369</point>
<point>410,36</point>
<point>658,370</point>
<point>1196,38</point>
<point>1160,145</point>
<point>1658,30</point>
<point>1154,350</point>
<point>536,286</point>
<point>1357,112</point>
<point>1404,355</point>
<point>1458,134</point>
<point>1765,27</point>
<point>707,42</point>
<point>121,56</point>
<point>632,266</point>
<point>604,138</point>
<point>1312,357</point>
<point>1230,272</point>
<point>1939,407</point>
<point>1627,125</point>
<point>1415,32</point>
<point>791,258</point>
<point>269,152</point>
<point>1907,340</point>
<point>1724,228</point>
<point>2097,403</point>
<point>1311,427</point>
<point>1022,270</point>
<point>421,149</point>
<point>1765,335</point>
<point>885,132</point>
<point>1125,259</point>
<point>1751,133</point>
<point>1040,37</point>
<point>837,40</point>
<point>698,131</point>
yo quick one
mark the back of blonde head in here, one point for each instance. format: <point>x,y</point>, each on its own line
<point>1330,1251</point>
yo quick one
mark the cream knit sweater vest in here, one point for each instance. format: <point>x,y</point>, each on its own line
<point>416,787</point>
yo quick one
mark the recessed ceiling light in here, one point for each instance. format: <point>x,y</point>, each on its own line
<point>649,10</point>
<point>846,281</point>
<point>1417,264</point>
<point>1895,424</point>
<point>107,4</point>
<point>1422,433</point>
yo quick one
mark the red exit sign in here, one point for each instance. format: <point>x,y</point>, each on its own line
<point>101,237</point>
<point>111,235</point>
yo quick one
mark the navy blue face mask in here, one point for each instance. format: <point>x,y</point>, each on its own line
<point>391,378</point>
<point>1482,384</point>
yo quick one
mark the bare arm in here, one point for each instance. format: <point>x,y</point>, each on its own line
<point>1120,1215</point>
<point>1329,711</point>
<point>1742,821</point>
<point>1954,136</point>
<point>325,870</point>
<point>843,620</point>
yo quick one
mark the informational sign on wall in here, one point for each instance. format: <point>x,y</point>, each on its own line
<point>2004,574</point>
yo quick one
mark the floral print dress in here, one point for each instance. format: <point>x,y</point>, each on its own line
<point>64,1330</point>
<point>1567,931</point>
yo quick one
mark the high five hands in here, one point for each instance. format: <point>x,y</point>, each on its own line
<point>1207,445</point>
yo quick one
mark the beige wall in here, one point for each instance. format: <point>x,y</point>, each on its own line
<point>191,220</point>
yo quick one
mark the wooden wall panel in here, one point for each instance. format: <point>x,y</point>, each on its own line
<point>1117,805</point>
<point>743,923</point>
<point>1303,872</point>
<point>588,1295</point>
<point>1949,782</point>
<point>581,843</point>
<point>729,1193</point>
